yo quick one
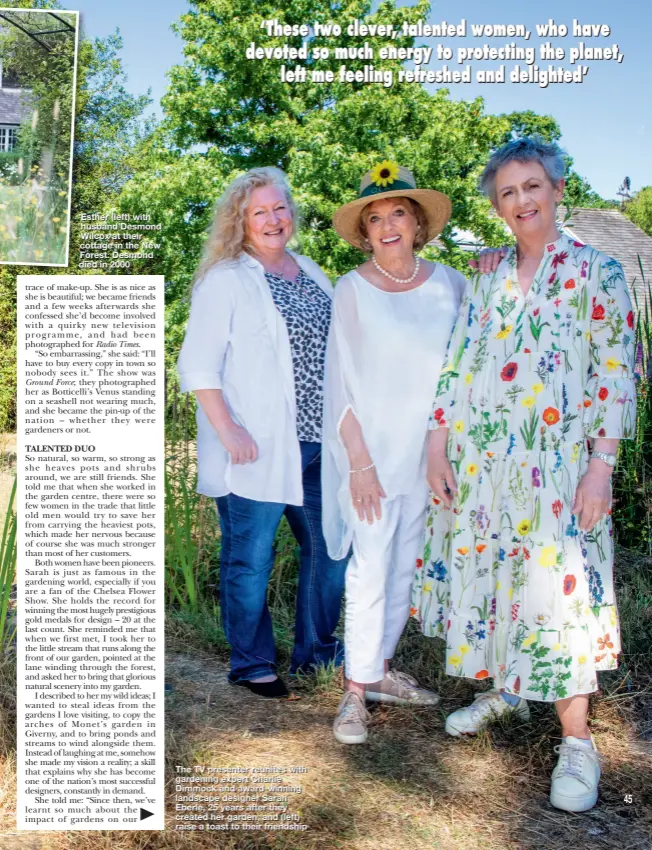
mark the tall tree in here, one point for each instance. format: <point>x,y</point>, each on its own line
<point>578,192</point>
<point>639,209</point>
<point>225,113</point>
<point>110,124</point>
<point>109,128</point>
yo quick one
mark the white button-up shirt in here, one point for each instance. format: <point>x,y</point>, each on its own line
<point>236,341</point>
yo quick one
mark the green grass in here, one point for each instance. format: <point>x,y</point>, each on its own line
<point>33,221</point>
<point>33,200</point>
<point>632,511</point>
<point>7,572</point>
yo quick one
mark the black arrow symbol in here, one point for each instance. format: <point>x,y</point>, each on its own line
<point>145,814</point>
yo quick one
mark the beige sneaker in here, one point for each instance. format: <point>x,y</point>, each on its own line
<point>574,786</point>
<point>350,725</point>
<point>400,689</point>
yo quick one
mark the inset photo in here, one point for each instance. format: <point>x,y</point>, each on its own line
<point>38,63</point>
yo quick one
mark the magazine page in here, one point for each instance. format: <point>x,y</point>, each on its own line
<point>324,406</point>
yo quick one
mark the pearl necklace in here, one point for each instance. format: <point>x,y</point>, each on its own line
<point>417,263</point>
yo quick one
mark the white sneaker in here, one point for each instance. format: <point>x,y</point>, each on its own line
<point>400,689</point>
<point>485,708</point>
<point>575,780</point>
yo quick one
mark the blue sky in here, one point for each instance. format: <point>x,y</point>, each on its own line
<point>606,121</point>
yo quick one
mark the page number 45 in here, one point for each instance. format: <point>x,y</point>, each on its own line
<point>628,798</point>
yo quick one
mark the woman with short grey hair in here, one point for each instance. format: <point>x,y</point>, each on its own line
<point>536,392</point>
<point>527,149</point>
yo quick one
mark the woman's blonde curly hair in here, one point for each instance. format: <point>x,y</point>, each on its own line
<point>227,238</point>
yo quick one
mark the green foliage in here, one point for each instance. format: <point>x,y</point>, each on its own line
<point>225,114</point>
<point>178,191</point>
<point>8,549</point>
<point>578,193</point>
<point>530,123</point>
<point>33,222</point>
<point>181,556</point>
<point>639,209</point>
<point>109,128</point>
<point>34,177</point>
<point>632,509</point>
<point>9,164</point>
<point>109,125</point>
<point>49,74</point>
<point>7,350</point>
<point>191,550</point>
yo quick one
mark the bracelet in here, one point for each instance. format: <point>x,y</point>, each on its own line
<point>362,469</point>
<point>609,459</point>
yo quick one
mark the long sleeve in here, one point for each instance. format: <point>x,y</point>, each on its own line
<point>201,360</point>
<point>339,377</point>
<point>610,392</point>
<point>339,396</point>
<point>443,407</point>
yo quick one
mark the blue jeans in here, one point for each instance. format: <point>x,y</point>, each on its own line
<point>248,532</point>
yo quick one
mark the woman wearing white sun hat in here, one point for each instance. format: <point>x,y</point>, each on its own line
<point>392,318</point>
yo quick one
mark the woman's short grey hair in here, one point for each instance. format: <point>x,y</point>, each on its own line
<point>528,149</point>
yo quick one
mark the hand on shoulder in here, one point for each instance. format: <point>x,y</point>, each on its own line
<point>489,259</point>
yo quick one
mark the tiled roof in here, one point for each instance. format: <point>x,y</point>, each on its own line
<point>14,105</point>
<point>610,231</point>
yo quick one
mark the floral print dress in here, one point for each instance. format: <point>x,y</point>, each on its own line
<point>517,590</point>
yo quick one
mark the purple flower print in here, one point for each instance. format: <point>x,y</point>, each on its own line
<point>482,518</point>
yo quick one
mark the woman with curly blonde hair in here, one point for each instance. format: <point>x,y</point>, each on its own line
<point>254,357</point>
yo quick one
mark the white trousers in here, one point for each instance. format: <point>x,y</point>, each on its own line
<point>379,583</point>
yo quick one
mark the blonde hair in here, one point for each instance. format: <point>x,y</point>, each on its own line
<point>227,236</point>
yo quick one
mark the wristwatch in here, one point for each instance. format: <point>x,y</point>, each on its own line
<point>610,460</point>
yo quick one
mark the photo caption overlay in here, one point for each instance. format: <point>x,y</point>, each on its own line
<point>91,552</point>
<point>239,799</point>
<point>115,240</point>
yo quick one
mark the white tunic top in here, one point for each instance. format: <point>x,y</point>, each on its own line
<point>384,355</point>
<point>237,341</point>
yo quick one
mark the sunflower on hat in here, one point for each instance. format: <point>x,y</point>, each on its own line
<point>388,179</point>
<point>384,173</point>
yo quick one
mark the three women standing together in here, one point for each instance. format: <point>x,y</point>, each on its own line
<point>516,575</point>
